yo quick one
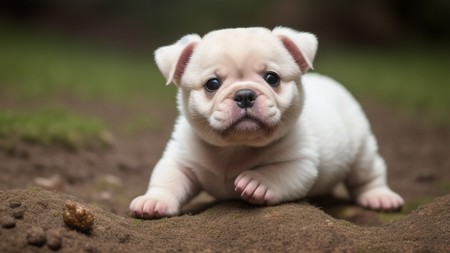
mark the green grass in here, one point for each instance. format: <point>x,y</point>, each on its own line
<point>412,80</point>
<point>140,124</point>
<point>37,65</point>
<point>51,127</point>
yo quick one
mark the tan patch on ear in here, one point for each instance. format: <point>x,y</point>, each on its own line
<point>182,62</point>
<point>301,61</point>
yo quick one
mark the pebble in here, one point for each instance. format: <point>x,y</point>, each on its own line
<point>36,236</point>
<point>8,222</point>
<point>54,239</point>
<point>18,213</point>
<point>54,182</point>
<point>78,217</point>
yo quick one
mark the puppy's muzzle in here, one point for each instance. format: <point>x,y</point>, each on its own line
<point>245,98</point>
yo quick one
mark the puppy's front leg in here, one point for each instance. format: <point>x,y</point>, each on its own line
<point>277,183</point>
<point>171,185</point>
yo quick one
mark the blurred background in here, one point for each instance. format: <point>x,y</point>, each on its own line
<point>393,51</point>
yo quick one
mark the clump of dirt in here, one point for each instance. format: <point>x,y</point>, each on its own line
<point>36,236</point>
<point>78,217</point>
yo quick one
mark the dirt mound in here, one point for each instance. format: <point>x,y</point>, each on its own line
<point>32,221</point>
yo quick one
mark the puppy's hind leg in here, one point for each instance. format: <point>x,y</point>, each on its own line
<point>367,180</point>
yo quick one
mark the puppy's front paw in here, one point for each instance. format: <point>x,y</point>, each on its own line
<point>251,186</point>
<point>381,198</point>
<point>147,207</point>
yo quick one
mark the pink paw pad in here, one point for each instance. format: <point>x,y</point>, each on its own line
<point>147,208</point>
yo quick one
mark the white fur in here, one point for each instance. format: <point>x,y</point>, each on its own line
<point>318,135</point>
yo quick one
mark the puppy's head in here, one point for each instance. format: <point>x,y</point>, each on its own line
<point>239,86</point>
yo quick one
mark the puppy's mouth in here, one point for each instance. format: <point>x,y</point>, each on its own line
<point>249,124</point>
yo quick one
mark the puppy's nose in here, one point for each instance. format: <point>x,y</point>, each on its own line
<point>245,98</point>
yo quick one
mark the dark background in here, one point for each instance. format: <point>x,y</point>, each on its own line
<point>138,24</point>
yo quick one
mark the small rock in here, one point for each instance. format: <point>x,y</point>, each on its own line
<point>54,239</point>
<point>78,217</point>
<point>15,204</point>
<point>18,213</point>
<point>8,222</point>
<point>36,236</point>
<point>54,182</point>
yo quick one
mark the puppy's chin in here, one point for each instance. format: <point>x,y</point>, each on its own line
<point>247,128</point>
<point>247,131</point>
<point>248,125</point>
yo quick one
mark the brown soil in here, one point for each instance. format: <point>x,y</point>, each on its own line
<point>105,181</point>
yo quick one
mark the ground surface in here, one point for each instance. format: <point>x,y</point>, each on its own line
<point>105,181</point>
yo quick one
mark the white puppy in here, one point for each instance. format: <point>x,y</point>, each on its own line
<point>252,126</point>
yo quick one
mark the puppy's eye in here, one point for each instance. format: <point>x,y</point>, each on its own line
<point>272,78</point>
<point>212,84</point>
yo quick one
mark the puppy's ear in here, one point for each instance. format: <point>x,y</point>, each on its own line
<point>301,45</point>
<point>173,59</point>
